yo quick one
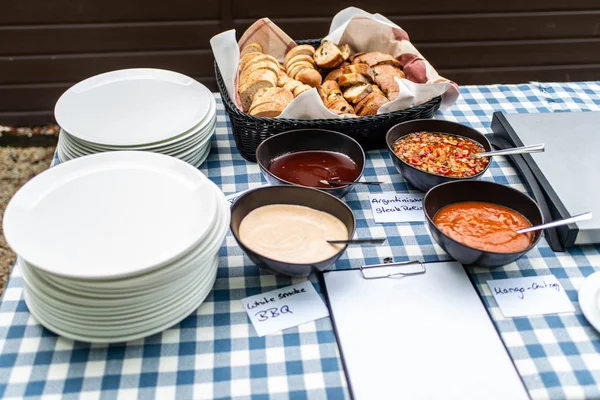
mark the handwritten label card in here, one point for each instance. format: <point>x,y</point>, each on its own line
<point>534,295</point>
<point>284,308</point>
<point>397,207</point>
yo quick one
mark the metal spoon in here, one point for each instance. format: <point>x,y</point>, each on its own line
<point>336,182</point>
<point>534,148</point>
<point>566,221</point>
<point>359,241</point>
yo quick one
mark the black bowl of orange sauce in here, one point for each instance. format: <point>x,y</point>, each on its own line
<point>471,246</point>
<point>307,157</point>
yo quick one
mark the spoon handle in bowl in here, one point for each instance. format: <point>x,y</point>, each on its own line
<point>566,221</point>
<point>359,241</point>
<point>534,148</point>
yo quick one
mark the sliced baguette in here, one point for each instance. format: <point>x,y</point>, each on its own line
<point>298,58</point>
<point>362,69</point>
<point>251,48</point>
<point>388,86</point>
<point>342,106</point>
<point>254,81</point>
<point>345,49</point>
<point>292,84</point>
<point>310,77</point>
<point>267,64</point>
<point>330,86</point>
<point>370,104</point>
<point>304,49</point>
<point>271,95</point>
<point>297,67</point>
<point>333,74</point>
<point>301,89</point>
<point>374,58</point>
<point>347,80</point>
<point>357,93</point>
<point>386,69</point>
<point>328,55</point>
<point>268,110</point>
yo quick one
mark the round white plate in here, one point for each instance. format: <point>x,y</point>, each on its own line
<point>589,299</point>
<point>132,106</point>
<point>199,130</point>
<point>110,215</point>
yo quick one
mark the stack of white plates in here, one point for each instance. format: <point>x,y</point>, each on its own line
<point>116,246</point>
<point>137,109</point>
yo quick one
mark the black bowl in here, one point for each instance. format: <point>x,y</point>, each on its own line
<point>305,140</point>
<point>296,195</point>
<point>489,192</point>
<point>420,179</point>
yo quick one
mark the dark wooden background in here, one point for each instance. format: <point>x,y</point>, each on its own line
<point>47,45</point>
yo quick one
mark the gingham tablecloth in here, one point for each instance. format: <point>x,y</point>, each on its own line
<point>215,352</point>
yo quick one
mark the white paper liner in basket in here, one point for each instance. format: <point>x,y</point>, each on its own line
<point>348,26</point>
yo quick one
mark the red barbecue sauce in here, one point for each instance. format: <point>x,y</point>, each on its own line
<point>308,168</point>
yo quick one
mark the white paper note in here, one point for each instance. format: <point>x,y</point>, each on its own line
<point>534,295</point>
<point>397,207</point>
<point>284,308</point>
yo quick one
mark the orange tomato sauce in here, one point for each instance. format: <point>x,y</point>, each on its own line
<point>484,226</point>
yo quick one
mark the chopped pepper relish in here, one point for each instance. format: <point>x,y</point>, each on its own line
<point>441,154</point>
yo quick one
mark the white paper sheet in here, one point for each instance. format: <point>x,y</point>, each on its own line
<point>397,207</point>
<point>419,337</point>
<point>284,308</point>
<point>532,295</point>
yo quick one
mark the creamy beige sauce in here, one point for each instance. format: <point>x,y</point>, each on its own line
<point>293,234</point>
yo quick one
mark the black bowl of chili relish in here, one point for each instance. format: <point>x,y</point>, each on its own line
<point>412,169</point>
<point>483,192</point>
<point>304,157</point>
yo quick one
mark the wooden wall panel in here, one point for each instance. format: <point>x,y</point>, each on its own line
<point>107,37</point>
<point>451,28</point>
<point>46,46</point>
<point>67,68</point>
<point>318,8</point>
<point>20,12</point>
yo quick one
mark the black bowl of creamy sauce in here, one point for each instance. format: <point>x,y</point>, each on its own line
<point>309,158</point>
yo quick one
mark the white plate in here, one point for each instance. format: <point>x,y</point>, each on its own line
<point>155,326</point>
<point>589,299</point>
<point>132,107</point>
<point>110,215</point>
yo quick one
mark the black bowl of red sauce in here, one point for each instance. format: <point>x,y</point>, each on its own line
<point>307,157</point>
<point>475,221</point>
<point>411,168</point>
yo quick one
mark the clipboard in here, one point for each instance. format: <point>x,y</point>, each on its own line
<point>401,335</point>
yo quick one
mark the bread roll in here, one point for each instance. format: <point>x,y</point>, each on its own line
<point>304,49</point>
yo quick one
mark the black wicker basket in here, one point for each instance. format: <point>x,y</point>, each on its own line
<point>250,131</point>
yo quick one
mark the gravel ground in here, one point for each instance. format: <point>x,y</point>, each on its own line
<point>17,166</point>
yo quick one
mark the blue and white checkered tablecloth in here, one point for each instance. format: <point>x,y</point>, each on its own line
<point>215,352</point>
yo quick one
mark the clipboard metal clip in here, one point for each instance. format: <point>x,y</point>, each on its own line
<point>419,271</point>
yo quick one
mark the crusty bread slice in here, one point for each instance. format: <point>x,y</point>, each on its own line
<point>267,64</point>
<point>386,69</point>
<point>355,55</point>
<point>388,86</point>
<point>251,48</point>
<point>299,58</point>
<point>374,58</point>
<point>282,78</point>
<point>308,76</point>
<point>356,93</point>
<point>330,86</point>
<point>362,69</point>
<point>342,106</point>
<point>321,94</point>
<point>328,55</point>
<point>370,104</point>
<point>305,49</point>
<point>345,49</point>
<point>377,89</point>
<point>333,74</point>
<point>292,84</point>
<point>347,80</point>
<point>297,67</point>
<point>268,110</point>
<point>253,82</point>
<point>271,95</point>
<point>301,89</point>
<point>245,59</point>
